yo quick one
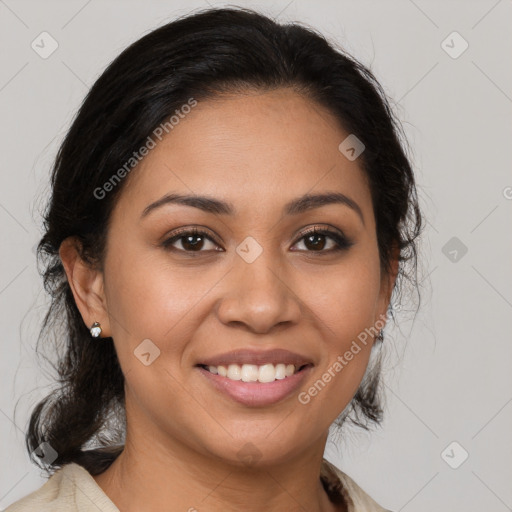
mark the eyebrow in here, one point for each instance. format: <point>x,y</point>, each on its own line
<point>294,207</point>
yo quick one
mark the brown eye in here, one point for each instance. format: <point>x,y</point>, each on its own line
<point>191,240</point>
<point>315,240</point>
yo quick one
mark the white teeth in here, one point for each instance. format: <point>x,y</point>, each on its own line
<point>249,373</point>
<point>234,372</point>
<point>280,371</point>
<point>254,373</point>
<point>290,369</point>
<point>267,373</point>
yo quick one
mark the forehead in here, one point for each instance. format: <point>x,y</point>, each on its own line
<point>256,150</point>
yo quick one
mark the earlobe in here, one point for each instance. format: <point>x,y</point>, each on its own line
<point>393,273</point>
<point>86,284</point>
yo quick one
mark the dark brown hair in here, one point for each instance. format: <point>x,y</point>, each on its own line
<point>200,55</point>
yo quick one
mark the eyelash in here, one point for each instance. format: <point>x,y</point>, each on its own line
<point>342,243</point>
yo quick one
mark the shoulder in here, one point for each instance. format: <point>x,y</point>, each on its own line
<point>70,489</point>
<point>339,482</point>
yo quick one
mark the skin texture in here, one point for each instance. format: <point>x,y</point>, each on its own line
<point>257,151</point>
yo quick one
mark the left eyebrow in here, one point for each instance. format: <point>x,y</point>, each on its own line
<point>294,207</point>
<point>310,201</point>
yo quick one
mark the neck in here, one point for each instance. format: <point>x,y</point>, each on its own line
<point>154,474</point>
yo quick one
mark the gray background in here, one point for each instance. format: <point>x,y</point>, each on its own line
<point>448,372</point>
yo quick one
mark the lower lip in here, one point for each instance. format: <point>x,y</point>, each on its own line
<point>256,394</point>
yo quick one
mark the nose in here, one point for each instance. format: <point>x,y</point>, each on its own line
<point>258,295</point>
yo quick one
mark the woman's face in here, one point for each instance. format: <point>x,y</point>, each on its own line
<point>253,281</point>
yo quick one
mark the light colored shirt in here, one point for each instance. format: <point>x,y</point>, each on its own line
<point>73,489</point>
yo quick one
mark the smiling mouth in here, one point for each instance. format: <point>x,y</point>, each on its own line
<point>255,373</point>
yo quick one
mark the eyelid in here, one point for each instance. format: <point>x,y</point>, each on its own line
<point>320,228</point>
<point>194,230</point>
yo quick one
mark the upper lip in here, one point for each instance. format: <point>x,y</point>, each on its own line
<point>257,357</point>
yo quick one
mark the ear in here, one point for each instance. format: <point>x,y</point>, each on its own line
<point>387,284</point>
<point>86,283</point>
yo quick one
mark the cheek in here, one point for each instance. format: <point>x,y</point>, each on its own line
<point>355,304</point>
<point>148,299</point>
<point>149,308</point>
<point>344,300</point>
<point>344,306</point>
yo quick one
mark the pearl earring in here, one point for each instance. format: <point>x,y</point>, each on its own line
<point>95,330</point>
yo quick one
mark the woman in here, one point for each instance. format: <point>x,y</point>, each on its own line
<point>231,212</point>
